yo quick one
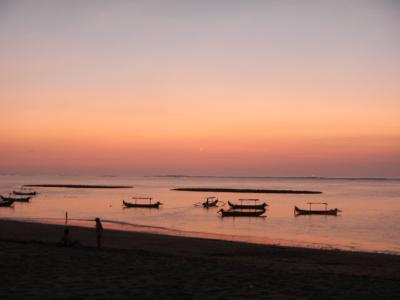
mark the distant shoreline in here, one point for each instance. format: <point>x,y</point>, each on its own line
<point>280,177</point>
<point>323,178</point>
<point>256,191</point>
<point>80,186</point>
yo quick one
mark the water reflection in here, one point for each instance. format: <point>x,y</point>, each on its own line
<point>369,220</point>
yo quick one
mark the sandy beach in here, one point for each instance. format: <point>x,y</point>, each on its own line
<point>151,266</point>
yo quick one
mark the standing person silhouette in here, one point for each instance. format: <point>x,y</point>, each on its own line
<point>99,232</point>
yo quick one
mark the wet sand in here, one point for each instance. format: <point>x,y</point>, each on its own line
<point>152,266</point>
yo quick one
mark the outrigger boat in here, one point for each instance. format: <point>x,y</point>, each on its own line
<point>210,202</point>
<point>21,199</point>
<point>22,193</point>
<point>326,211</point>
<point>7,203</point>
<point>241,213</point>
<point>142,205</point>
<point>248,206</point>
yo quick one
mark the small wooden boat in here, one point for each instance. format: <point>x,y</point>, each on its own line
<point>326,211</point>
<point>241,213</point>
<point>248,206</point>
<point>210,202</point>
<point>142,205</point>
<point>7,203</point>
<point>16,199</point>
<point>22,193</point>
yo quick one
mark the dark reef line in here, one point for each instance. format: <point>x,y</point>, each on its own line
<point>258,191</point>
<point>80,186</point>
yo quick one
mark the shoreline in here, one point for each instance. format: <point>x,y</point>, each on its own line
<point>28,233</point>
<point>150,265</point>
<point>165,231</point>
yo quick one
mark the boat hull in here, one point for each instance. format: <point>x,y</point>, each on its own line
<point>239,206</point>
<point>210,204</point>
<point>140,205</point>
<point>330,212</point>
<point>239,213</point>
<point>6,203</point>
<point>22,199</point>
<point>24,193</point>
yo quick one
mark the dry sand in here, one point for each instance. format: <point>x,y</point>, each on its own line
<point>150,266</point>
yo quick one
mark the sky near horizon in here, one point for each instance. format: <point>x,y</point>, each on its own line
<point>263,88</point>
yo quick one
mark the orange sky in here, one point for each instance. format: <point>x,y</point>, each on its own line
<point>250,90</point>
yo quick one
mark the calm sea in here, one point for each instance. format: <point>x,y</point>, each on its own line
<point>369,220</point>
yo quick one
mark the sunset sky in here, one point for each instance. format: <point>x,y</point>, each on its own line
<point>261,88</point>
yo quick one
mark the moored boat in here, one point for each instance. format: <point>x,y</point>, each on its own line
<point>248,206</point>
<point>16,199</point>
<point>332,212</point>
<point>241,213</point>
<point>6,203</point>
<point>210,202</point>
<point>22,193</point>
<point>142,205</point>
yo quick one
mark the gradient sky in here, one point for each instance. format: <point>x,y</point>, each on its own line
<point>274,88</point>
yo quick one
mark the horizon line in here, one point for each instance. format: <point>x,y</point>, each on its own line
<point>217,176</point>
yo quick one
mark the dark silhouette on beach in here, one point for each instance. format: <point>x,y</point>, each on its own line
<point>66,241</point>
<point>99,232</point>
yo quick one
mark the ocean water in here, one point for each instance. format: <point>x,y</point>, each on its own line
<point>369,220</point>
